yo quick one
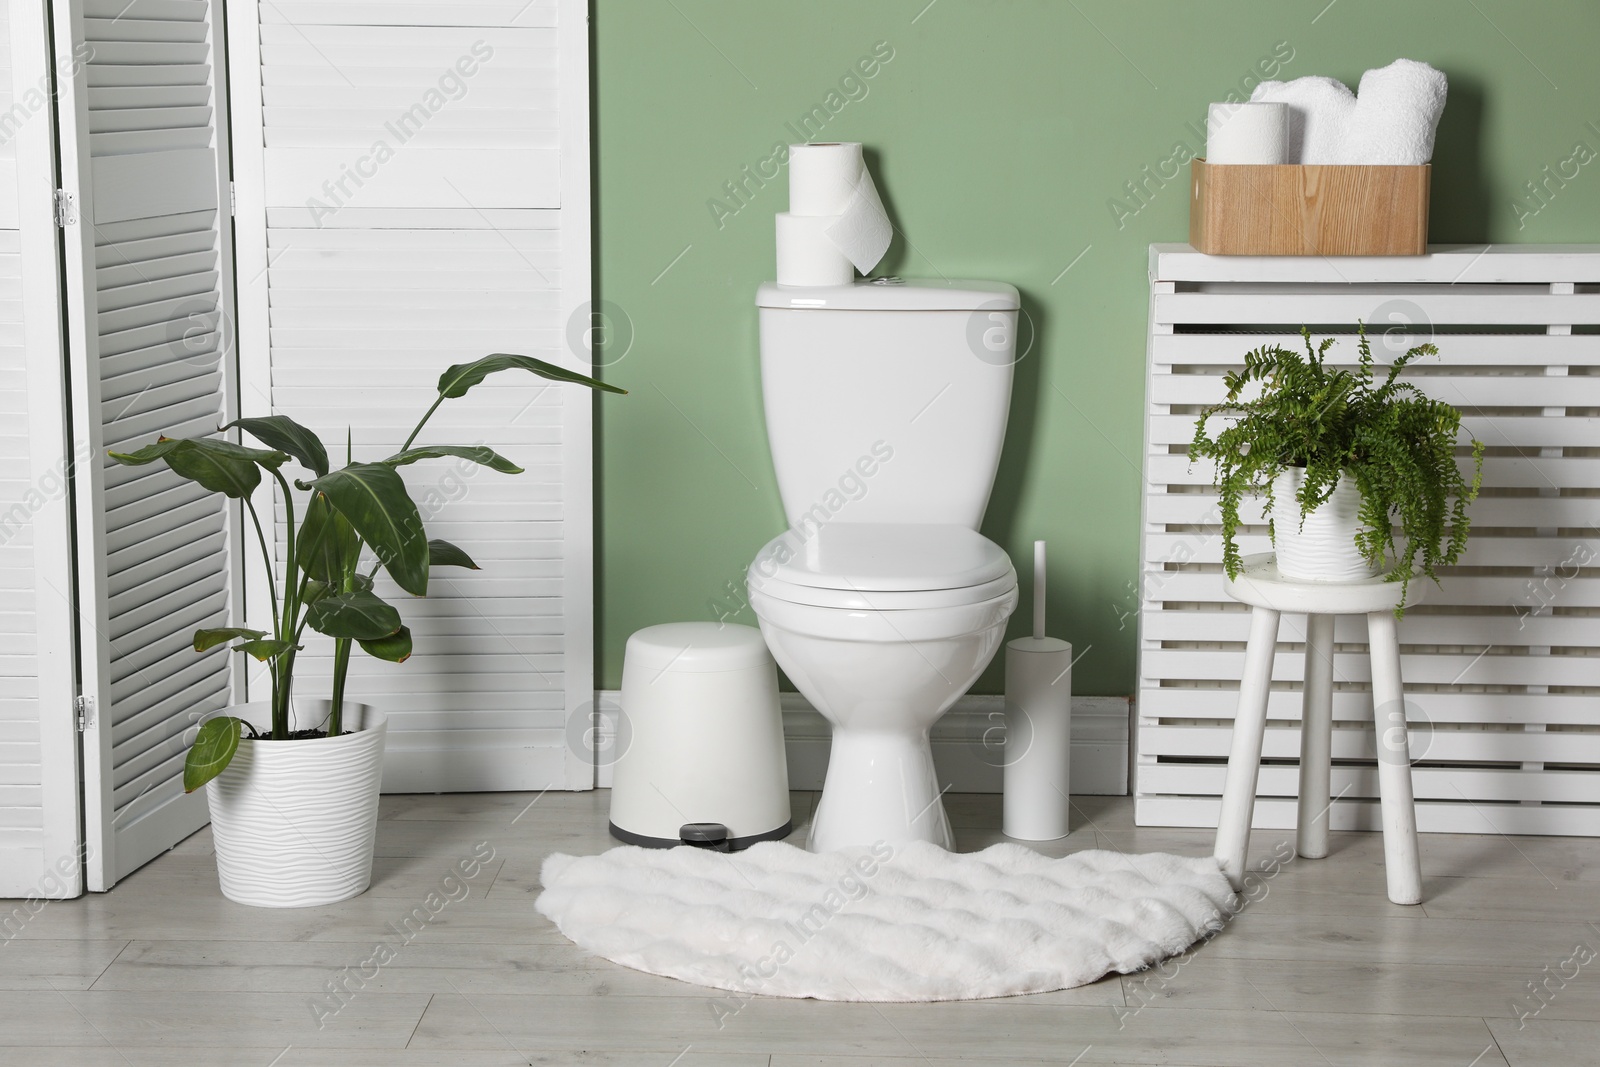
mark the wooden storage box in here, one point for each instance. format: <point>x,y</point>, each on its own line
<point>1291,210</point>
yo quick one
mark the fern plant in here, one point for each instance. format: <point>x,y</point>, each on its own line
<point>1396,442</point>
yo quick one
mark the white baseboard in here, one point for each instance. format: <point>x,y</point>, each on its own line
<point>964,762</point>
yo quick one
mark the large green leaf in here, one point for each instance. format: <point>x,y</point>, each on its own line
<point>221,466</point>
<point>373,497</point>
<point>286,435</point>
<point>329,547</point>
<point>204,639</point>
<point>476,453</point>
<point>212,751</point>
<point>358,614</point>
<point>463,376</point>
<point>442,553</point>
<point>396,648</point>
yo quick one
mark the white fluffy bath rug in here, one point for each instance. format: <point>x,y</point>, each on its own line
<point>907,923</point>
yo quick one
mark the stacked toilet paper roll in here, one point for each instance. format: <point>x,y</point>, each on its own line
<point>1247,133</point>
<point>835,224</point>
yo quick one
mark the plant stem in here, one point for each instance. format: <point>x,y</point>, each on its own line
<point>341,668</point>
<point>272,588</point>
<point>426,415</point>
<point>288,621</point>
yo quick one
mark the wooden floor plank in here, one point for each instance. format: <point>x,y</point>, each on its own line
<point>1318,968</point>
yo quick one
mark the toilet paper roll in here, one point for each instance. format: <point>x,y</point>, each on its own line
<point>1247,133</point>
<point>1320,110</point>
<point>807,255</point>
<point>831,180</point>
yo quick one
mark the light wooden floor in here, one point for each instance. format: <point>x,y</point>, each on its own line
<point>1320,969</point>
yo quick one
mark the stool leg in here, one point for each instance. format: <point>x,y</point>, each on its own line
<point>1316,738</point>
<point>1244,761</point>
<point>1402,863</point>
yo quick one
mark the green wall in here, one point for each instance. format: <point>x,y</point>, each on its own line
<point>1001,132</point>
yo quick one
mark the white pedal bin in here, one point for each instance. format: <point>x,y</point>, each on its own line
<point>704,760</point>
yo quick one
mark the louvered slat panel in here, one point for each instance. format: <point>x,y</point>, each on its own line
<point>1502,662</point>
<point>155,256</point>
<point>411,217</point>
<point>22,800</point>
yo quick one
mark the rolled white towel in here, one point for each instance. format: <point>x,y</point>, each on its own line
<point>1320,111</point>
<point>1396,115</point>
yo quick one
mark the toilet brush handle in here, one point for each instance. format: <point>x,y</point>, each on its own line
<point>1038,590</point>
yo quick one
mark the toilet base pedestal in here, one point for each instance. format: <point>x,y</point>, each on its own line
<point>881,787</point>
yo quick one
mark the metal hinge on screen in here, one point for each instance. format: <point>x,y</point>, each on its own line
<point>85,709</point>
<point>66,209</point>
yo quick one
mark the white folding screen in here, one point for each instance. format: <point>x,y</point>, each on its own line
<point>413,192</point>
<point>1502,664</point>
<point>39,838</point>
<point>143,149</point>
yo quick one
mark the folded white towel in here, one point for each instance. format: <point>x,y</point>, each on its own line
<point>1397,112</point>
<point>1320,110</point>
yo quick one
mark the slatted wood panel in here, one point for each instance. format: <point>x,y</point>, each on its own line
<point>21,793</point>
<point>146,152</point>
<point>413,184</point>
<point>39,786</point>
<point>1502,664</point>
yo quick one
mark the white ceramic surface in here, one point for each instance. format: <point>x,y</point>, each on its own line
<point>1322,548</point>
<point>887,403</point>
<point>882,679</point>
<point>295,821</point>
<point>886,410</point>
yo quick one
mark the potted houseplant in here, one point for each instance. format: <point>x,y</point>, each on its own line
<point>1342,459</point>
<point>292,782</point>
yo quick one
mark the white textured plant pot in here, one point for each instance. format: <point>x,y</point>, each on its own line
<point>295,821</point>
<point>1323,547</point>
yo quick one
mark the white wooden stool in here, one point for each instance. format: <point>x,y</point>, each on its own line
<point>1269,595</point>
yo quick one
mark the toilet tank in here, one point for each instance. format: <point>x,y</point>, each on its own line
<point>886,401</point>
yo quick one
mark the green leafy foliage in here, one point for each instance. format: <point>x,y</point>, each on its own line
<point>208,639</point>
<point>220,466</point>
<point>463,376</point>
<point>442,553</point>
<point>361,506</point>
<point>373,497</point>
<point>396,647</point>
<point>212,751</point>
<point>329,546</point>
<point>286,435</point>
<point>357,615</point>
<point>1396,442</point>
<point>488,457</point>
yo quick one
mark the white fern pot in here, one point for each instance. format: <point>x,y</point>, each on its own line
<point>1322,548</point>
<point>295,821</point>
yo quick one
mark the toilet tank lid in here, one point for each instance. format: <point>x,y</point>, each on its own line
<point>697,648</point>
<point>891,294</point>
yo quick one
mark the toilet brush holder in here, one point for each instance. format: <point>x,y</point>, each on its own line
<point>1038,738</point>
<point>1037,795</point>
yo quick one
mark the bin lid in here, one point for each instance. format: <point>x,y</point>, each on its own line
<point>698,648</point>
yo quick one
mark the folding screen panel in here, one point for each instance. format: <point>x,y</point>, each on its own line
<point>149,289</point>
<point>39,840</point>
<point>413,192</point>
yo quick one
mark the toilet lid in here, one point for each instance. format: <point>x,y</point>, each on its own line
<point>882,566</point>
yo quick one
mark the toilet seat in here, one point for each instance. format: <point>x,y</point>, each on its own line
<point>883,567</point>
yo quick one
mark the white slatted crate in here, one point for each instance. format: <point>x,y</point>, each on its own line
<point>1502,661</point>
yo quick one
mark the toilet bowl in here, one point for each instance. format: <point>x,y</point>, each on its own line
<point>886,406</point>
<point>882,653</point>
